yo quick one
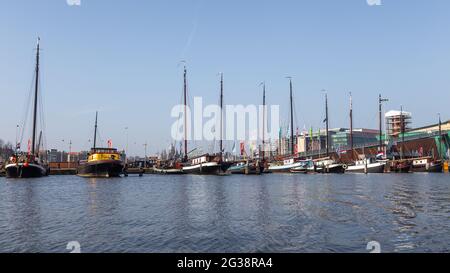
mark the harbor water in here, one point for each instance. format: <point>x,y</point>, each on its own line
<point>268,213</point>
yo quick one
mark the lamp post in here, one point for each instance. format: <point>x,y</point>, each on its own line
<point>380,103</point>
<point>126,146</point>
<point>70,152</point>
<point>145,150</point>
<point>62,152</point>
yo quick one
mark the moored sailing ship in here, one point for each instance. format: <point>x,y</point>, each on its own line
<point>363,164</point>
<point>306,167</point>
<point>328,165</point>
<point>247,167</point>
<point>427,164</point>
<point>400,166</point>
<point>101,162</point>
<point>29,165</point>
<point>366,165</point>
<point>168,167</point>
<point>205,164</point>
<point>285,166</point>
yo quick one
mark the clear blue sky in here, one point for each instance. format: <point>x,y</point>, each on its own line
<point>121,58</point>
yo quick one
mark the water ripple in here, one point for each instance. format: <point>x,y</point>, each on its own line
<point>270,213</point>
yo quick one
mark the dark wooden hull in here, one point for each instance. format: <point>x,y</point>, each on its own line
<point>224,166</point>
<point>435,168</point>
<point>104,168</point>
<point>332,169</point>
<point>247,169</point>
<point>401,168</point>
<point>26,170</point>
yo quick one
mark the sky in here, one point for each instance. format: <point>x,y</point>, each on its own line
<point>122,58</point>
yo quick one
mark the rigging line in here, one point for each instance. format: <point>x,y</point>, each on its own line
<point>24,120</point>
<point>86,143</point>
<point>26,105</point>
<point>100,137</point>
<point>41,107</point>
<point>42,116</point>
<point>180,114</point>
<point>188,103</point>
<point>322,118</point>
<point>295,112</point>
<point>298,114</point>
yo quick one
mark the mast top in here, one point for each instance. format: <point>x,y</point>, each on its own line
<point>184,64</point>
<point>382,99</point>
<point>263,84</point>
<point>290,79</point>
<point>38,42</point>
<point>351,100</point>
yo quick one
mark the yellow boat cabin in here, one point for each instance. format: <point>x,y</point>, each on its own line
<point>101,154</point>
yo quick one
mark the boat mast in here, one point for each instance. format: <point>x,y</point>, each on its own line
<point>264,121</point>
<point>326,121</point>
<point>185,117</point>
<point>292,117</point>
<point>351,122</point>
<point>221,116</point>
<point>36,87</point>
<point>95,130</point>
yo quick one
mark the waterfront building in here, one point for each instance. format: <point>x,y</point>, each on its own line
<point>397,122</point>
<point>361,137</point>
<point>426,140</point>
<point>308,143</point>
<point>430,129</point>
<point>56,156</point>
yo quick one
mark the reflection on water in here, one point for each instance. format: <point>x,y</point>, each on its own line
<point>269,213</point>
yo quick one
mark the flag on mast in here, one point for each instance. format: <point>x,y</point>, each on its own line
<point>242,146</point>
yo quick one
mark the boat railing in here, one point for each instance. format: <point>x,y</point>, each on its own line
<point>104,151</point>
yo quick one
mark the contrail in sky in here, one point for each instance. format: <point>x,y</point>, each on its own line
<point>193,30</point>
